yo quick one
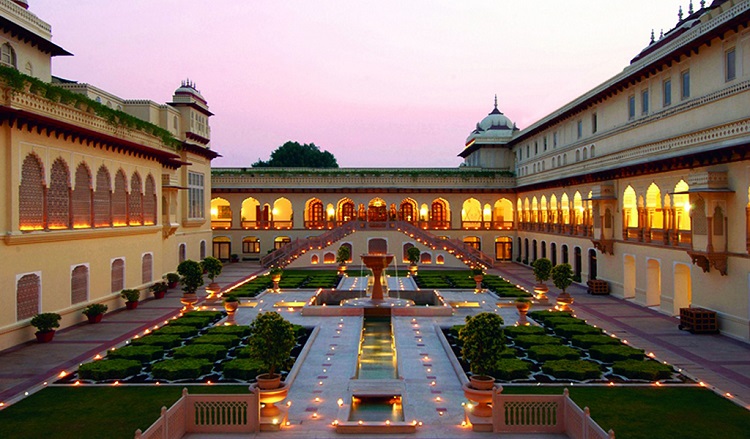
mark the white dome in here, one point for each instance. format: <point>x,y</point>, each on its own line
<point>494,125</point>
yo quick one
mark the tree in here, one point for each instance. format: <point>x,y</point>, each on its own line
<point>413,255</point>
<point>483,342</point>
<point>343,255</point>
<point>562,276</point>
<point>542,268</point>
<point>212,267</point>
<point>294,155</point>
<point>192,276</point>
<point>271,340</point>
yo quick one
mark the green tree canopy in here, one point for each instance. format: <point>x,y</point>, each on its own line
<point>294,155</point>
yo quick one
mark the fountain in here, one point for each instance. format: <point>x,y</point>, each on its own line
<point>377,263</point>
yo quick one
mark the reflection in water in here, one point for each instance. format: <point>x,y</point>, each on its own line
<point>377,354</point>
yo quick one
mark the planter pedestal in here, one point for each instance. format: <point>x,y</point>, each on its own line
<point>276,278</point>
<point>478,279</point>
<point>231,309</point>
<point>564,300</point>
<point>480,415</point>
<point>189,301</point>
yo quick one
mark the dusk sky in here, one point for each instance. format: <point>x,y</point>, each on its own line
<point>382,84</point>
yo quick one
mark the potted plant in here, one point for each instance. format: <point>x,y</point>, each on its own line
<point>275,274</point>
<point>271,342</point>
<point>159,289</point>
<point>95,312</point>
<point>413,254</point>
<point>212,267</point>
<point>172,279</point>
<point>542,269</point>
<point>478,274</point>
<point>482,344</point>
<point>234,257</point>
<point>191,278</point>
<point>343,255</point>
<point>562,277</point>
<point>131,297</point>
<point>231,303</point>
<point>45,323</point>
<point>522,305</point>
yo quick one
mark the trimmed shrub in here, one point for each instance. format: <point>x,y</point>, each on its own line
<point>239,331</point>
<point>511,369</point>
<point>144,353</point>
<point>572,369</point>
<point>242,369</point>
<point>509,353</point>
<point>225,340</point>
<point>109,369</point>
<point>212,315</point>
<point>454,330</point>
<point>576,329</point>
<point>196,322</point>
<point>211,352</point>
<point>611,353</point>
<point>642,370</point>
<point>246,352</point>
<point>181,369</point>
<point>552,352</point>
<point>181,331</point>
<point>526,341</point>
<point>541,316</point>
<point>563,320</point>
<point>299,330</point>
<point>165,341</point>
<point>515,331</point>
<point>588,340</point>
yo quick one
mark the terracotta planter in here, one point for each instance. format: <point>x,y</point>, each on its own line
<point>44,337</point>
<point>173,285</point>
<point>268,382</point>
<point>523,307</point>
<point>482,382</point>
<point>189,300</point>
<point>131,305</point>
<point>231,307</point>
<point>478,278</point>
<point>95,318</point>
<point>159,294</point>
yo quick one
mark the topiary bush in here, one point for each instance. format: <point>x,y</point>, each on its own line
<point>165,341</point>
<point>572,369</point>
<point>213,315</point>
<point>612,353</point>
<point>181,369</point>
<point>196,322</point>
<point>482,341</point>
<point>212,352</point>
<point>515,331</point>
<point>272,339</point>
<point>526,341</point>
<point>552,352</point>
<point>182,331</point>
<point>541,316</point>
<point>144,353</point>
<point>642,370</point>
<point>103,370</point>
<point>575,329</point>
<point>563,320</point>
<point>511,369</point>
<point>237,330</point>
<point>226,340</point>
<point>244,369</point>
<point>587,340</point>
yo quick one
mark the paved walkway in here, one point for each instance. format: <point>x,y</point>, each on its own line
<point>720,362</point>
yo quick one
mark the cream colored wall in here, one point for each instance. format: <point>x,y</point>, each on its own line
<point>25,52</point>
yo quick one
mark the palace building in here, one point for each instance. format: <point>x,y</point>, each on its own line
<point>642,182</point>
<point>101,193</point>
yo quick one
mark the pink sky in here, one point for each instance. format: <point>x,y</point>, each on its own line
<point>383,84</point>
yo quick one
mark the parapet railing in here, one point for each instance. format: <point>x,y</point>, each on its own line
<point>551,414</point>
<point>210,414</point>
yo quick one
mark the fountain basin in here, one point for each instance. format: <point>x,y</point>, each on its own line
<point>328,303</point>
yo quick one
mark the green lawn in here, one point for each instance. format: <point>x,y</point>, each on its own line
<point>93,412</point>
<point>657,412</point>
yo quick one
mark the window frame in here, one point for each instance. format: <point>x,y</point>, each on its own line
<point>685,84</point>
<point>666,91</point>
<point>730,74</point>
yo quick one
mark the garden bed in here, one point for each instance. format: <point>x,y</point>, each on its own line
<point>183,352</point>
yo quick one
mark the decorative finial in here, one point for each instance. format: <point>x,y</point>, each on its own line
<point>690,8</point>
<point>679,14</point>
<point>496,101</point>
<point>652,36</point>
<point>661,34</point>
<point>703,4</point>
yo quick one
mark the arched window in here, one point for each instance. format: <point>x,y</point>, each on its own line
<point>203,250</point>
<point>135,208</point>
<point>425,258</point>
<point>147,268</point>
<point>120,200</point>
<point>329,258</point>
<point>103,199</point>
<point>315,214</point>
<point>346,212</point>
<point>406,211</point>
<point>7,55</point>
<point>79,284</point>
<point>405,253</point>
<point>58,196</point>
<point>182,253</point>
<point>31,195</point>
<point>82,198</point>
<point>28,289</point>
<point>117,275</point>
<point>149,202</point>
<point>250,244</point>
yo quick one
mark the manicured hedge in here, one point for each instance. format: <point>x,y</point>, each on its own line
<point>563,320</point>
<point>588,340</point>
<point>143,353</point>
<point>245,352</point>
<point>611,353</point>
<point>197,322</point>
<point>642,370</point>
<point>576,329</point>
<point>165,341</point>
<point>515,331</point>
<point>237,330</point>
<point>511,369</point>
<point>527,341</point>
<point>242,369</point>
<point>572,369</point>
<point>551,352</point>
<point>109,369</point>
<point>213,315</point>
<point>225,340</point>
<point>454,330</point>
<point>182,331</point>
<point>181,369</point>
<point>541,316</point>
<point>211,352</point>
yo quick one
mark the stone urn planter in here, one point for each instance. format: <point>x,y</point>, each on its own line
<point>482,398</point>
<point>481,382</point>
<point>188,300</point>
<point>523,306</point>
<point>268,381</point>
<point>231,304</point>
<point>269,397</point>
